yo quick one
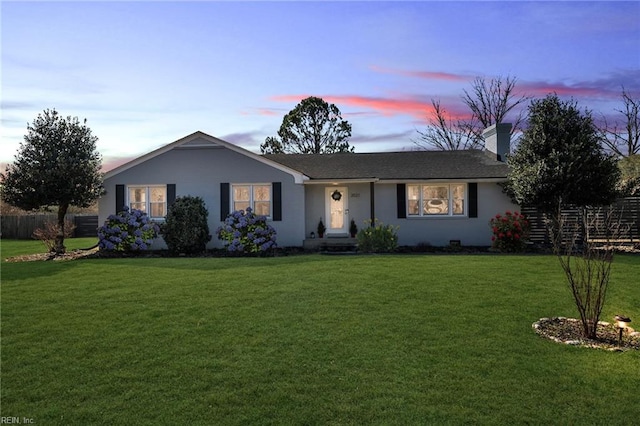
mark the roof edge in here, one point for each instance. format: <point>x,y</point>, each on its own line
<point>297,176</point>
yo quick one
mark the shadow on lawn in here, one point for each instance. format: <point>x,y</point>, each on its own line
<point>21,270</point>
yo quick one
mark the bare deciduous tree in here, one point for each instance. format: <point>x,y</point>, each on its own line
<point>623,137</point>
<point>489,101</point>
<point>444,133</point>
<point>586,261</point>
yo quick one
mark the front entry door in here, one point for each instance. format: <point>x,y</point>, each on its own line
<point>337,210</point>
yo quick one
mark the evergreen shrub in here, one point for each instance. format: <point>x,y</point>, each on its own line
<point>186,226</point>
<point>377,238</point>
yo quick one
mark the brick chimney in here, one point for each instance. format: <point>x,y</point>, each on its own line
<point>497,140</point>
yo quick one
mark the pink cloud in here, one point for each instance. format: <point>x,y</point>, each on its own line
<point>417,107</point>
<point>385,106</point>
<point>269,112</point>
<point>430,75</point>
<point>541,89</point>
<point>608,87</point>
<point>290,98</point>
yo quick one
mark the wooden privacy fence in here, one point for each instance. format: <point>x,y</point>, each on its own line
<point>22,226</point>
<point>626,210</point>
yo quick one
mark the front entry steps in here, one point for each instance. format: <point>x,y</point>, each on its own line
<point>332,245</point>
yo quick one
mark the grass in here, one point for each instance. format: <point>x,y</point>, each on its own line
<point>306,340</point>
<point>11,248</point>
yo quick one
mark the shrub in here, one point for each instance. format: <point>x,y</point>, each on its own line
<point>587,265</point>
<point>48,234</point>
<point>245,232</point>
<point>127,231</point>
<point>509,232</point>
<point>353,228</point>
<point>186,228</point>
<point>377,238</point>
<point>321,229</point>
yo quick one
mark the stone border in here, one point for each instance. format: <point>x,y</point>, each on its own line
<point>547,328</point>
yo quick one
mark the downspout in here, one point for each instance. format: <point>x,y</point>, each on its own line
<point>373,203</point>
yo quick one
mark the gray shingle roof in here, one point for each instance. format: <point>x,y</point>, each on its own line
<point>409,165</point>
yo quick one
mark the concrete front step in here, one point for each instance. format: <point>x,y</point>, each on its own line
<point>333,244</point>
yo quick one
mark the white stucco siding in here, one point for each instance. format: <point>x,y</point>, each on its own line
<point>438,231</point>
<point>198,171</point>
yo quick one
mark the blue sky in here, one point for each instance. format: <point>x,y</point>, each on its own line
<point>145,74</point>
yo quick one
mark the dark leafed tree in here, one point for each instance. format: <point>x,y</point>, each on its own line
<point>490,102</point>
<point>622,136</point>
<point>444,133</point>
<point>312,127</point>
<point>56,165</point>
<point>630,175</point>
<point>560,161</point>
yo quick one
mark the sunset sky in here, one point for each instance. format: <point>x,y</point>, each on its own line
<point>145,74</point>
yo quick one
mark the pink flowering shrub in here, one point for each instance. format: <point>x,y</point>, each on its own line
<point>510,231</point>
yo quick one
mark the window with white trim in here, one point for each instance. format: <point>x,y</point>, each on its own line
<point>256,196</point>
<point>436,200</point>
<point>150,199</point>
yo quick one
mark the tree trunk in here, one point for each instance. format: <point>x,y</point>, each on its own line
<point>59,247</point>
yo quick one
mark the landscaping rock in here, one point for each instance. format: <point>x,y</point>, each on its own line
<point>569,331</point>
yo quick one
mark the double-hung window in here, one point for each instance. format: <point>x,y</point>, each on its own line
<point>150,199</point>
<point>436,200</point>
<point>256,196</point>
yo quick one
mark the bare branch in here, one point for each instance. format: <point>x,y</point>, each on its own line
<point>586,261</point>
<point>491,102</point>
<point>622,136</point>
<point>444,134</point>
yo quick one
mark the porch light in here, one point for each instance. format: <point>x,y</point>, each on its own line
<point>337,195</point>
<point>622,322</point>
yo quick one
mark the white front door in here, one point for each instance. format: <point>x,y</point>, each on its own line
<point>337,210</point>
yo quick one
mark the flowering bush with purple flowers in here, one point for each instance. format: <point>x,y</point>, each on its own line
<point>129,231</point>
<point>245,232</point>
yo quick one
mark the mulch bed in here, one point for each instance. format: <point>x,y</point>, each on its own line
<point>95,253</point>
<point>569,331</point>
<point>71,255</point>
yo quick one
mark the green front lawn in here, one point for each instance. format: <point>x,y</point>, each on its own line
<point>11,248</point>
<point>310,339</point>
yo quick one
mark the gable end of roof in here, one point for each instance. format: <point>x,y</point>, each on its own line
<point>192,141</point>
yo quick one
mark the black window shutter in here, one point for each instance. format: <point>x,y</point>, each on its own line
<point>277,200</point>
<point>119,198</point>
<point>224,200</point>
<point>473,199</point>
<point>402,200</point>
<point>171,194</point>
